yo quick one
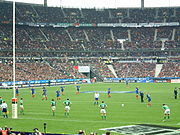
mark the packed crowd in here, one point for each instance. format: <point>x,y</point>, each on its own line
<point>86,40</point>
<point>35,13</point>
<point>170,69</point>
<point>32,71</point>
<point>64,69</point>
<point>125,70</point>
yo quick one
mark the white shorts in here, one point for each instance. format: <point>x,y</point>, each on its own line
<point>21,107</point>
<point>67,108</point>
<point>102,111</point>
<point>53,108</point>
<point>167,111</point>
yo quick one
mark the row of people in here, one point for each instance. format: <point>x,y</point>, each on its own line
<point>58,70</point>
<point>34,13</point>
<point>88,39</point>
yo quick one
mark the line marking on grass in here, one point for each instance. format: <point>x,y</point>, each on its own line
<point>64,119</point>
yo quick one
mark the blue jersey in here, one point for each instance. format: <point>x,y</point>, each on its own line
<point>57,93</point>
<point>148,97</point>
<point>62,89</point>
<point>141,94</point>
<point>78,88</point>
<point>126,82</point>
<point>33,91</point>
<point>137,90</point>
<point>17,91</point>
<point>44,92</point>
<point>109,90</point>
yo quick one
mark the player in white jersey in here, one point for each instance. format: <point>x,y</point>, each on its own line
<point>96,97</point>
<point>4,109</point>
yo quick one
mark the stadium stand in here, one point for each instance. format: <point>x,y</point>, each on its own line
<point>90,42</point>
<point>170,69</point>
<point>125,70</point>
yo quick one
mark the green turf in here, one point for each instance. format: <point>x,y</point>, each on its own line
<point>84,115</point>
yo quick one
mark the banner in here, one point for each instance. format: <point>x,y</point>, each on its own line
<point>175,81</point>
<point>84,69</point>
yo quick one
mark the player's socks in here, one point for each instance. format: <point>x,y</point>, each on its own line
<point>102,117</point>
<point>53,113</point>
<point>164,117</point>
<point>105,117</point>
<point>6,116</point>
<point>168,117</point>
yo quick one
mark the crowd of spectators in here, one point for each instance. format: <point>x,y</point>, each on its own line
<point>36,71</point>
<point>86,42</point>
<point>63,68</point>
<point>5,131</point>
<point>38,13</point>
<point>83,41</point>
<point>170,69</point>
<point>140,69</point>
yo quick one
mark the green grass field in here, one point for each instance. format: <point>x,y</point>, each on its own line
<point>84,115</point>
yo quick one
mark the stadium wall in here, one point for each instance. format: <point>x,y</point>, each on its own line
<point>36,83</point>
<point>144,80</point>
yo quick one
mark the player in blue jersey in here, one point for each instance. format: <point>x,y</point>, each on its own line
<point>1,101</point>
<point>44,94</point>
<point>109,92</point>
<point>58,95</point>
<point>78,89</point>
<point>33,92</point>
<point>148,96</point>
<point>17,91</point>
<point>62,90</point>
<point>126,82</point>
<point>142,96</point>
<point>137,92</point>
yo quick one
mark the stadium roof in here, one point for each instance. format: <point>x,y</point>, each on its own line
<point>104,3</point>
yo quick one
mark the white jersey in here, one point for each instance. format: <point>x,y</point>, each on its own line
<point>96,95</point>
<point>4,105</point>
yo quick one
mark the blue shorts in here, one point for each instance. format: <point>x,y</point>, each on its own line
<point>4,110</point>
<point>96,98</point>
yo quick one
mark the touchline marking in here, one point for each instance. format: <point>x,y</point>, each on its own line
<point>87,121</point>
<point>65,119</point>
